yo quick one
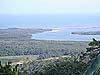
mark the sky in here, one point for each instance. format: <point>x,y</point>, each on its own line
<point>40,7</point>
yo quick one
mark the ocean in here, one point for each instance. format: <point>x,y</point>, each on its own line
<point>65,24</point>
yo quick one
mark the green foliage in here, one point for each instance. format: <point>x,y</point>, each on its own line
<point>8,70</point>
<point>93,54</point>
<point>68,66</point>
<point>92,51</point>
<point>98,72</point>
<point>44,49</point>
<point>94,43</point>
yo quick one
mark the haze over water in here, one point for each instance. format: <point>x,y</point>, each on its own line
<point>65,24</point>
<point>49,21</point>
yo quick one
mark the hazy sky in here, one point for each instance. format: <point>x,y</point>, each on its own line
<point>26,7</point>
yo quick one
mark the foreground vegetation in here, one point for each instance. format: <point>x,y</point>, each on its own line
<point>61,66</point>
<point>93,56</point>
<point>7,69</point>
<point>18,59</point>
<point>85,63</point>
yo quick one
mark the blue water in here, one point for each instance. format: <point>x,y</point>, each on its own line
<point>65,35</point>
<point>66,24</point>
<point>47,21</point>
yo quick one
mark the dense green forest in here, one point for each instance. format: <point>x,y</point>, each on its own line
<point>7,69</point>
<point>68,65</point>
<point>42,48</point>
<point>82,64</point>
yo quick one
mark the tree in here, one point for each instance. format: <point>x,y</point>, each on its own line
<point>98,72</point>
<point>8,70</point>
<point>93,53</point>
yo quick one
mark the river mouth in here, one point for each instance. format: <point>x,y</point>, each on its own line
<point>65,34</point>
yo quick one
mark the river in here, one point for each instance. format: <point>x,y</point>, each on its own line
<point>64,34</point>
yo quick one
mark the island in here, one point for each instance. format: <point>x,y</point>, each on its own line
<point>87,33</point>
<point>19,33</point>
